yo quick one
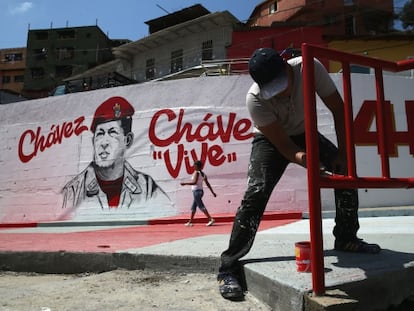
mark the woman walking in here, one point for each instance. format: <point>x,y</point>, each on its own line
<point>196,184</point>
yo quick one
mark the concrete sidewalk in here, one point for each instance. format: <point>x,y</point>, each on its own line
<point>353,281</point>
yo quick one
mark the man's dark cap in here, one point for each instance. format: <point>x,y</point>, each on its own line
<point>268,69</point>
<point>114,108</point>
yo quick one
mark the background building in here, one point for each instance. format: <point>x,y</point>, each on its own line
<point>388,47</point>
<point>56,54</point>
<point>338,17</point>
<point>193,42</point>
<point>12,64</point>
<point>178,44</point>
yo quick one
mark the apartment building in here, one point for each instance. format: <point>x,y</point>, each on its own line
<point>178,46</point>
<point>12,64</point>
<point>58,53</point>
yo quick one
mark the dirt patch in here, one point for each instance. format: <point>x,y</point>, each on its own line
<point>121,290</point>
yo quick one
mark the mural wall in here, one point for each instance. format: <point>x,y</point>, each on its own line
<point>121,153</point>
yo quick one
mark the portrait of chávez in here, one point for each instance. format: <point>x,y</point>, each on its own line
<point>109,181</point>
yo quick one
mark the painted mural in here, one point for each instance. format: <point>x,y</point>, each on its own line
<point>109,181</point>
<point>121,153</point>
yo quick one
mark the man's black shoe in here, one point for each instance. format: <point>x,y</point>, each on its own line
<point>357,246</point>
<point>229,287</point>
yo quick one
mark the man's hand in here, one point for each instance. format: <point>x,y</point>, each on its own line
<point>339,164</point>
<point>323,171</point>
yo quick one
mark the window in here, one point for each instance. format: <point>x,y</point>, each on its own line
<point>60,90</point>
<point>176,60</point>
<point>63,71</point>
<point>273,7</point>
<point>150,69</point>
<point>13,57</point>
<point>41,35</point>
<point>65,53</point>
<point>207,50</point>
<point>19,78</point>
<point>40,53</point>
<point>66,34</point>
<point>348,2</point>
<point>6,79</point>
<point>330,19</point>
<point>37,73</point>
<point>349,25</point>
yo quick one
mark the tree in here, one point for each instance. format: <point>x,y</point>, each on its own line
<point>407,15</point>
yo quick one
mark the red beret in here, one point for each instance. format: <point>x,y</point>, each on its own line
<point>114,108</point>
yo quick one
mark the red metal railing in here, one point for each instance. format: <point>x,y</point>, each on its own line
<point>315,180</point>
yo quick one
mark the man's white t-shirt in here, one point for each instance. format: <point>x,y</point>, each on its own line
<point>289,111</point>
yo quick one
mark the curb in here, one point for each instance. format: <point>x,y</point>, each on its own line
<point>226,218</point>
<point>80,262</point>
<point>180,219</point>
<point>373,212</point>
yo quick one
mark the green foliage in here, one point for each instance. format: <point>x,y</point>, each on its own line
<point>407,15</point>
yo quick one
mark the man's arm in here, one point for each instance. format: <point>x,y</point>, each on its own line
<point>335,104</point>
<point>279,138</point>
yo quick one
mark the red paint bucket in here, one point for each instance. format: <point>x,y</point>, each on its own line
<point>303,256</point>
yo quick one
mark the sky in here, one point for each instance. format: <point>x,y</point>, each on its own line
<point>119,19</point>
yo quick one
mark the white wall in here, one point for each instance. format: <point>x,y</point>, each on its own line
<point>191,46</point>
<point>31,186</point>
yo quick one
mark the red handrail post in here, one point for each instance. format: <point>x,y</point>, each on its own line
<point>312,163</point>
<point>381,124</point>
<point>349,125</point>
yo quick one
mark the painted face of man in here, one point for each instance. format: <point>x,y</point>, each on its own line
<point>110,143</point>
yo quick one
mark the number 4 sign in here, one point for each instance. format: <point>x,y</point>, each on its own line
<point>366,117</point>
